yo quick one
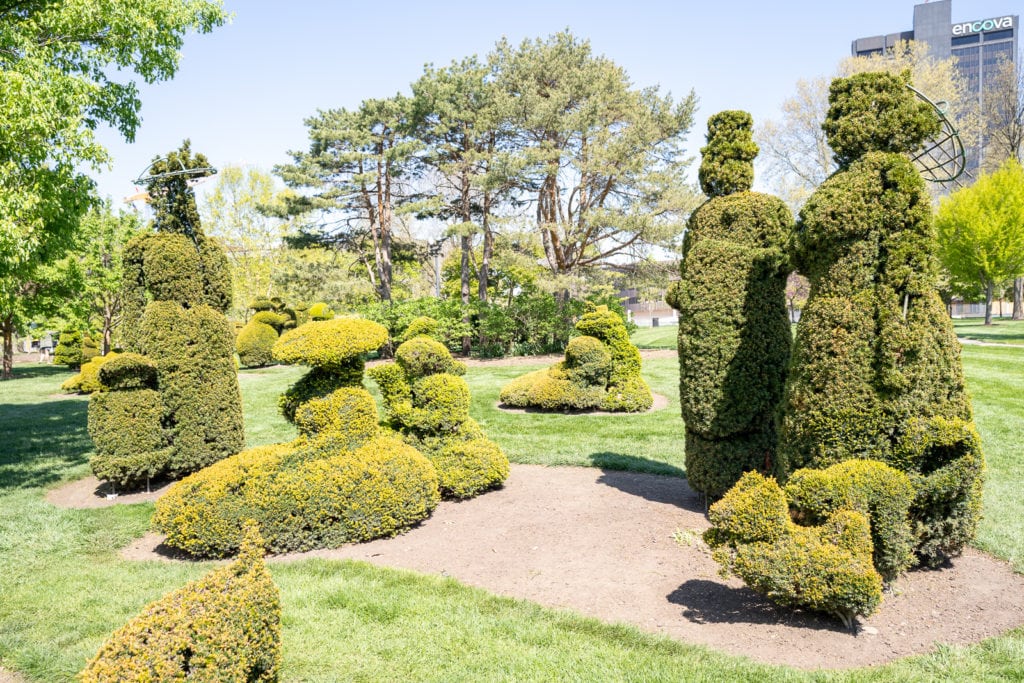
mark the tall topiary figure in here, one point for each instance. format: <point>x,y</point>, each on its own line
<point>177,288</point>
<point>734,336</point>
<point>876,370</point>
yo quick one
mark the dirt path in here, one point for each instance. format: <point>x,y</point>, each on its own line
<point>90,493</point>
<point>624,547</point>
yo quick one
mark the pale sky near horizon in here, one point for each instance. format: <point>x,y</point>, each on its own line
<point>243,91</point>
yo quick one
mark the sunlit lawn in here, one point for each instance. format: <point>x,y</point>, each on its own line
<point>63,588</point>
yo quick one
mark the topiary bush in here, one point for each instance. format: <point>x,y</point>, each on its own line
<point>320,311</point>
<point>334,349</point>
<point>69,349</point>
<point>826,568</point>
<point>125,423</point>
<point>734,334</point>
<point>318,494</point>
<point>224,627</point>
<point>876,371</point>
<point>879,492</point>
<point>255,343</point>
<point>90,348</point>
<point>88,378</point>
<point>177,286</point>
<point>423,326</point>
<point>428,404</point>
<point>601,370</point>
<point>348,412</point>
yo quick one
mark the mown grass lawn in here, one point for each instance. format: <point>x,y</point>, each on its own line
<point>1001,331</point>
<point>63,588</point>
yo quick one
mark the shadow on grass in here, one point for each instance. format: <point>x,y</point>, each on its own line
<point>38,370</point>
<point>651,480</point>
<point>710,602</point>
<point>41,441</point>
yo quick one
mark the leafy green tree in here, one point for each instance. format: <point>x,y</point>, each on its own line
<point>57,84</point>
<point>602,161</point>
<point>981,231</point>
<point>357,168</point>
<point>233,212</point>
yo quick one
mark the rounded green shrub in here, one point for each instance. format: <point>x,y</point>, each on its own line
<point>422,356</point>
<point>330,344</point>
<point>90,348</point>
<point>734,332</point>
<point>261,303</point>
<point>879,492</point>
<point>468,468</point>
<point>317,383</point>
<point>69,349</point>
<point>320,311</point>
<point>319,495</point>
<point>628,395</point>
<point>517,392</point>
<point>423,326</point>
<point>587,361</point>
<point>275,320</point>
<point>126,431</point>
<point>826,568</point>
<point>128,371</point>
<point>255,343</point>
<point>349,413</point>
<point>88,378</point>
<point>224,627</point>
<point>441,403</point>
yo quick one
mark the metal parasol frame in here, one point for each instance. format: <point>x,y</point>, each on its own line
<point>942,159</point>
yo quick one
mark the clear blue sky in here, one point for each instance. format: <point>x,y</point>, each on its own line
<point>243,91</point>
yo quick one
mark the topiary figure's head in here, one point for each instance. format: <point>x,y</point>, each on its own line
<point>876,112</point>
<point>604,324</point>
<point>422,326</point>
<point>128,371</point>
<point>727,166</point>
<point>330,344</point>
<point>261,303</point>
<point>422,356</point>
<point>170,194</point>
<point>320,311</point>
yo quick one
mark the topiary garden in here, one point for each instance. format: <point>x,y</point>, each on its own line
<point>255,341</point>
<point>601,371</point>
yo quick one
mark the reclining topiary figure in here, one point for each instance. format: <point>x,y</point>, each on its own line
<point>343,480</point>
<point>177,286</point>
<point>734,335</point>
<point>224,627</point>
<point>601,371</point>
<point>876,371</point>
<point>427,402</point>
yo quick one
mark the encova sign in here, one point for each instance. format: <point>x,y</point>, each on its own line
<point>983,25</point>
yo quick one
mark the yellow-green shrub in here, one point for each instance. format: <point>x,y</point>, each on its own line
<point>330,344</point>
<point>224,627</point>
<point>422,356</point>
<point>69,349</point>
<point>587,361</point>
<point>827,568</point>
<point>130,445</point>
<point>275,320</point>
<point>630,395</point>
<point>468,468</point>
<point>88,378</point>
<point>128,371</point>
<point>881,493</point>
<point>349,413</point>
<point>319,312</point>
<point>517,392</point>
<point>318,495</point>
<point>424,326</point>
<point>255,342</point>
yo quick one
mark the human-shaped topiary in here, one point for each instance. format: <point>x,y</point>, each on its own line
<point>876,371</point>
<point>734,336</point>
<point>427,402</point>
<point>69,349</point>
<point>224,627</point>
<point>601,371</point>
<point>177,286</point>
<point>341,481</point>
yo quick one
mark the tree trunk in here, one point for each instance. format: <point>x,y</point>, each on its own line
<point>7,327</point>
<point>108,325</point>
<point>464,242</point>
<point>1018,299</point>
<point>989,291</point>
<point>485,263</point>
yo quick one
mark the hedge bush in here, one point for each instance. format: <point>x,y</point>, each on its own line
<point>255,343</point>
<point>826,568</point>
<point>601,370</point>
<point>316,495</point>
<point>128,371</point>
<point>224,627</point>
<point>126,431</point>
<point>429,406</point>
<point>69,349</point>
<point>349,413</point>
<point>423,326</point>
<point>330,344</point>
<point>88,378</point>
<point>90,348</point>
<point>876,368</point>
<point>879,492</point>
<point>320,311</point>
<point>734,333</point>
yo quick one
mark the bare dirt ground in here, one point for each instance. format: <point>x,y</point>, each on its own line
<point>90,493</point>
<point>9,676</point>
<point>625,547</point>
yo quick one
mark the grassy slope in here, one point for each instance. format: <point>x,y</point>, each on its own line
<point>64,588</point>
<point>1001,331</point>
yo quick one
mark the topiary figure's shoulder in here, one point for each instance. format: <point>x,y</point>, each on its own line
<point>422,356</point>
<point>329,343</point>
<point>604,324</point>
<point>753,218</point>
